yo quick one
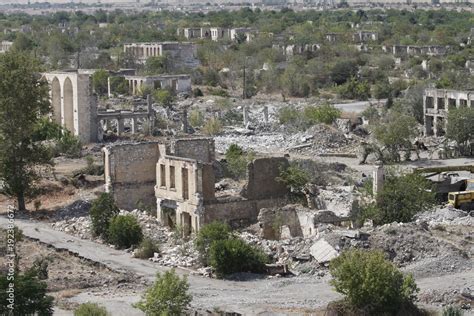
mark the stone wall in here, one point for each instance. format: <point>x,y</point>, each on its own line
<point>200,149</point>
<point>130,173</point>
<point>237,213</point>
<point>261,177</point>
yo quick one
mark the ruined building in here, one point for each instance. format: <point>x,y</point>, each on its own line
<point>176,83</point>
<point>75,108</point>
<point>179,176</point>
<point>436,106</point>
<point>182,54</point>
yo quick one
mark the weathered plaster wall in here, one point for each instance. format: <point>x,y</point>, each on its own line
<point>262,182</point>
<point>130,173</point>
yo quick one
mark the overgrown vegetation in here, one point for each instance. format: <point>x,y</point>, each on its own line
<point>209,234</point>
<point>371,283</point>
<point>400,199</point>
<point>90,309</point>
<point>147,249</point>
<point>167,296</point>
<point>234,255</point>
<point>102,211</point>
<point>237,160</point>
<point>124,231</point>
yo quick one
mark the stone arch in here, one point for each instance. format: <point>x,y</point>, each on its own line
<point>68,99</point>
<point>56,100</point>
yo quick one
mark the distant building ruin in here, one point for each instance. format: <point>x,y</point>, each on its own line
<point>215,33</point>
<point>176,83</point>
<point>5,46</point>
<point>436,106</point>
<point>412,50</point>
<point>182,54</point>
<point>179,177</point>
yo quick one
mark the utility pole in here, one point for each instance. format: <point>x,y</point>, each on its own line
<point>244,95</point>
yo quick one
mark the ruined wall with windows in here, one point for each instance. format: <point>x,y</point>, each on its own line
<point>436,106</point>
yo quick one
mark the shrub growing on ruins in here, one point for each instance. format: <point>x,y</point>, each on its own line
<point>212,127</point>
<point>68,145</point>
<point>147,249</point>
<point>402,197</point>
<point>29,296</point>
<point>101,212</point>
<point>196,118</point>
<point>99,81</point>
<point>237,160</point>
<point>90,309</point>
<point>167,296</point>
<point>164,97</point>
<point>294,177</point>
<point>452,311</point>
<point>235,255</point>
<point>370,282</point>
<point>209,234</point>
<point>124,231</point>
<point>325,113</point>
<point>461,128</point>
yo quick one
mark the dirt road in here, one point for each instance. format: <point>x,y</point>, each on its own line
<point>280,295</point>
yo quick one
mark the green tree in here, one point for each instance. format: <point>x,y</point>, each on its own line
<point>235,255</point>
<point>157,65</point>
<point>342,71</point>
<point>23,43</point>
<point>325,113</point>
<point>90,309</point>
<point>119,85</point>
<point>370,282</point>
<point>354,89</point>
<point>209,234</point>
<point>30,295</point>
<point>212,127</point>
<point>167,296</point>
<point>402,197</point>
<point>164,97</point>
<point>124,231</point>
<point>99,81</point>
<point>103,209</point>
<point>294,177</point>
<point>237,160</point>
<point>396,132</point>
<point>24,100</point>
<point>461,128</point>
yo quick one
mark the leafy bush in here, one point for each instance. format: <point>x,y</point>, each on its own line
<point>402,197</point>
<point>99,81</point>
<point>30,295</point>
<point>197,92</point>
<point>354,89</point>
<point>124,231</point>
<point>369,281</point>
<point>289,115</point>
<point>461,128</point>
<point>209,234</point>
<point>118,85</point>
<point>167,296</point>
<point>234,255</point>
<point>325,113</point>
<point>68,145</point>
<point>237,160</point>
<point>147,249</point>
<point>452,311</point>
<point>91,168</point>
<point>90,309</point>
<point>294,177</point>
<point>196,118</point>
<point>47,130</point>
<point>212,127</point>
<point>164,97</point>
<point>101,212</point>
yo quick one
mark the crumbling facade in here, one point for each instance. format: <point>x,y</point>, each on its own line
<point>182,54</point>
<point>5,46</point>
<point>184,183</point>
<point>436,106</point>
<point>411,50</point>
<point>365,36</point>
<point>176,83</point>
<point>215,33</point>
<point>74,106</point>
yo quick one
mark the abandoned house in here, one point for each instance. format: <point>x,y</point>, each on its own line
<point>436,105</point>
<point>214,33</point>
<point>404,50</point>
<point>365,36</point>
<point>176,83</point>
<point>75,107</point>
<point>182,54</point>
<point>5,46</point>
<point>178,175</point>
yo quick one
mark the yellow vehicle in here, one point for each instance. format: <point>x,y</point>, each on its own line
<point>463,199</point>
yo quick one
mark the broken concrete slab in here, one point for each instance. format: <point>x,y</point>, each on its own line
<point>322,251</point>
